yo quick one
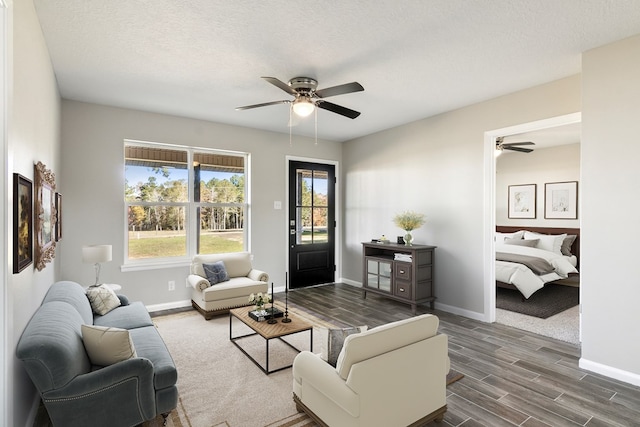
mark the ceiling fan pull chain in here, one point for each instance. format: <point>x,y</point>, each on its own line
<point>290,126</point>
<point>316,114</point>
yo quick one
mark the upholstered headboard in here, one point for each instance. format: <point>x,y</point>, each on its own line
<point>575,248</point>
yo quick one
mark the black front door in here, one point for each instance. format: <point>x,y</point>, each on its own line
<point>311,224</point>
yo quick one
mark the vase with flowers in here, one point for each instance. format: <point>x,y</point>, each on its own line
<point>409,221</point>
<point>259,300</point>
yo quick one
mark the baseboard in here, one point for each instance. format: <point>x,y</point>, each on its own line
<point>609,371</point>
<point>168,305</point>
<point>460,311</point>
<point>350,282</point>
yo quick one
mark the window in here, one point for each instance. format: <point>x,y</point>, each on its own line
<point>182,201</point>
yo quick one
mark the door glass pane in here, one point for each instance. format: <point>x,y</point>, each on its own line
<point>320,225</point>
<point>157,231</point>
<point>305,183</point>
<point>320,194</point>
<point>385,284</point>
<point>304,227</point>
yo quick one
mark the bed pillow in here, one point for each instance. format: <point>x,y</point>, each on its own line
<point>547,242</point>
<point>522,242</point>
<point>566,244</point>
<point>216,272</point>
<point>501,237</point>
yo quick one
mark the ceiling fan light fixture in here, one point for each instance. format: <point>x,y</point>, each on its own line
<point>303,106</point>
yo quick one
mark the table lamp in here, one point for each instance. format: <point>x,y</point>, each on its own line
<point>95,254</point>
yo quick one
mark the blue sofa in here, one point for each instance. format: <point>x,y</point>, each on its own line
<point>74,392</point>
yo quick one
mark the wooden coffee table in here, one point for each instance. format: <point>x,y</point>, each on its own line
<point>268,332</point>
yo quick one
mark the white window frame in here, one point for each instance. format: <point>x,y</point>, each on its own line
<point>193,225</point>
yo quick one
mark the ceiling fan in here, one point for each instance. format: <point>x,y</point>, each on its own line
<point>513,146</point>
<point>307,97</point>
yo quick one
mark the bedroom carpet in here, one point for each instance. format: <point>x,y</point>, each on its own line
<point>548,301</point>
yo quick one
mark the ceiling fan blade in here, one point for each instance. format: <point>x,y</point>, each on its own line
<point>338,109</point>
<point>282,85</point>
<point>265,104</point>
<point>511,144</point>
<point>522,150</point>
<point>339,90</point>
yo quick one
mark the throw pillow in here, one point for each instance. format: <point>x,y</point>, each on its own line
<point>106,346</point>
<point>567,243</point>
<point>335,341</point>
<point>216,272</point>
<point>522,242</point>
<point>103,299</point>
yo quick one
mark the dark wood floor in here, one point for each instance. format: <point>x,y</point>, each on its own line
<point>512,377</point>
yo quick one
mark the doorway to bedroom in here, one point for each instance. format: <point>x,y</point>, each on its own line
<point>543,298</point>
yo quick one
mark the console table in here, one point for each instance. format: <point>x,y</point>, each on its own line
<point>399,272</point>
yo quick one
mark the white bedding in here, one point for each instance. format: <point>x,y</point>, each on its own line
<point>526,280</point>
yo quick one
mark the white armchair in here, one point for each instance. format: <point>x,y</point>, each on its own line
<point>392,375</point>
<point>243,280</point>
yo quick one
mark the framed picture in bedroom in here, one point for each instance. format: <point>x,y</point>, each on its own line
<point>561,200</point>
<point>522,201</point>
<point>22,223</point>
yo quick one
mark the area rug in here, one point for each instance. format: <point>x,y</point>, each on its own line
<point>220,387</point>
<point>544,303</point>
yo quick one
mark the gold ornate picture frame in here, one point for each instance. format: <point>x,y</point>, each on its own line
<point>45,215</point>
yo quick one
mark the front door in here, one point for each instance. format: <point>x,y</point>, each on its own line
<point>311,224</point>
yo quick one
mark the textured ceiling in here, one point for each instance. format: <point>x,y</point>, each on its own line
<point>415,58</point>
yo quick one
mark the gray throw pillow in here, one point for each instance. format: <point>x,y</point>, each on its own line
<point>531,243</point>
<point>216,272</point>
<point>335,341</point>
<point>566,244</point>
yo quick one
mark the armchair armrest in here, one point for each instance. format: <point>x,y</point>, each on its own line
<point>198,283</point>
<point>310,369</point>
<point>258,275</point>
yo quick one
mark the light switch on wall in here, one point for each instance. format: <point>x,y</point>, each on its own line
<point>277,204</point>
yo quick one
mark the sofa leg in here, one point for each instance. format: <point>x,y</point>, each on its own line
<point>164,418</point>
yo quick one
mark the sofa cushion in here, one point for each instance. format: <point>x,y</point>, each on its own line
<point>134,315</point>
<point>106,345</point>
<point>103,299</point>
<point>71,293</point>
<point>215,272</point>
<point>376,341</point>
<point>234,287</point>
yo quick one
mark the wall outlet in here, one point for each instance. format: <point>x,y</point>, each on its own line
<point>172,285</point>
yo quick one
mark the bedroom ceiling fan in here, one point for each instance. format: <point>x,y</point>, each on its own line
<point>513,146</point>
<point>307,97</point>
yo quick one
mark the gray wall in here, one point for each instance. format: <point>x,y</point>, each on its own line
<point>554,164</point>
<point>436,166</point>
<point>93,190</point>
<point>33,135</point>
<point>610,204</point>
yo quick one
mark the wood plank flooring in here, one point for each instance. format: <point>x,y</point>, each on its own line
<point>512,377</point>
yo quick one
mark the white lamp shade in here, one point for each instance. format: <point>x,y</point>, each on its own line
<point>96,253</point>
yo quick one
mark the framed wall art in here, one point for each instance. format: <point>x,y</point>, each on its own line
<point>45,215</point>
<point>22,223</point>
<point>58,217</point>
<point>522,201</point>
<point>561,200</point>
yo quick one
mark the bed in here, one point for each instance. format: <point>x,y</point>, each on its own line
<point>528,258</point>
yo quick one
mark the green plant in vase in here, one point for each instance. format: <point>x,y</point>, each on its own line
<point>409,221</point>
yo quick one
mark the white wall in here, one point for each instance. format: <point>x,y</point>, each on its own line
<point>436,166</point>
<point>610,205</point>
<point>554,164</point>
<point>93,190</point>
<point>34,135</point>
